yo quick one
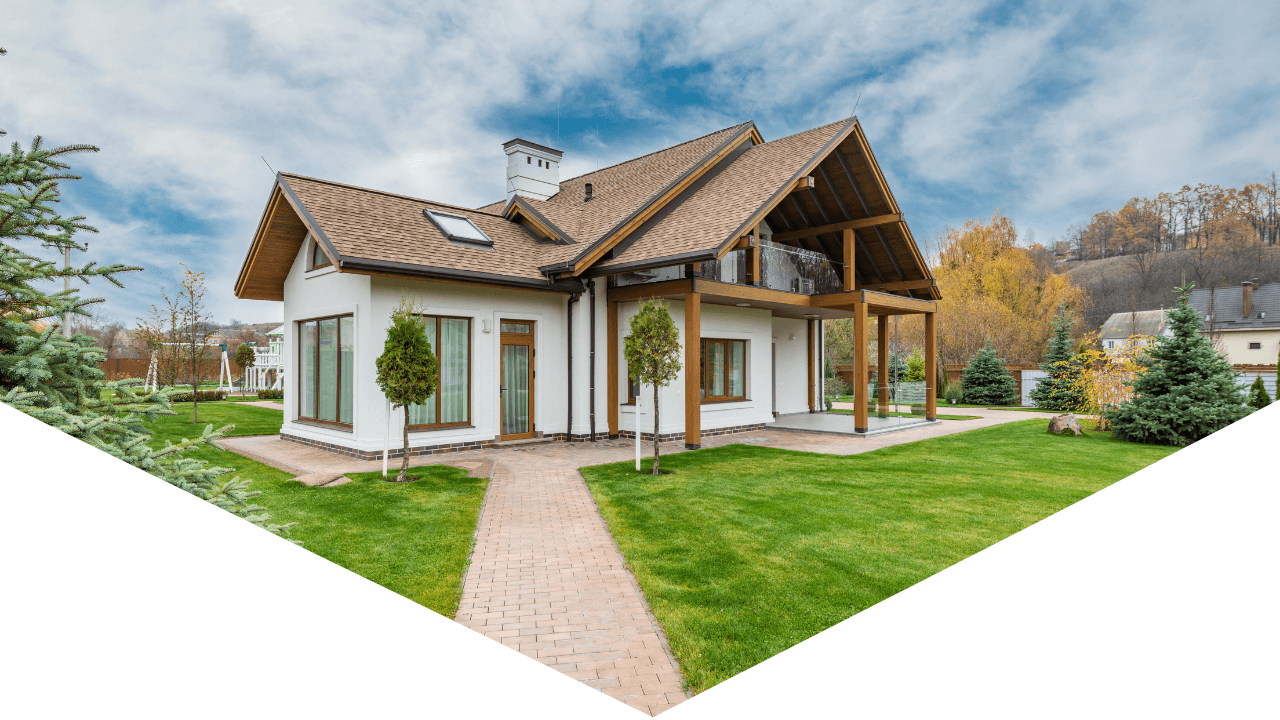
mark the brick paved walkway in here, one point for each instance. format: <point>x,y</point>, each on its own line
<point>547,579</point>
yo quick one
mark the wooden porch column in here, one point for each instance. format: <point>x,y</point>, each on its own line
<point>860,365</point>
<point>931,366</point>
<point>612,359</point>
<point>692,370</point>
<point>753,257</point>
<point>848,260</point>
<point>808,338</point>
<point>882,360</point>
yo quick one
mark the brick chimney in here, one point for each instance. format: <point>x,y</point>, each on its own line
<point>1247,291</point>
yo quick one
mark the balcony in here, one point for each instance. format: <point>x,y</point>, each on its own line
<point>782,268</point>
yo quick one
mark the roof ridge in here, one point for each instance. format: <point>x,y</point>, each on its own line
<point>335,183</point>
<point>655,152</point>
<point>819,127</point>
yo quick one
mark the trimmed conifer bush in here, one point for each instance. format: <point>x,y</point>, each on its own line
<point>1061,390</point>
<point>1186,391</point>
<point>985,380</point>
<point>1258,396</point>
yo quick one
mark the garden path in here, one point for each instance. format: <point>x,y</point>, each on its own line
<point>546,577</point>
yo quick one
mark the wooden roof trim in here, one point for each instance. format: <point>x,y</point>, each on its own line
<point>518,206</point>
<point>636,219</point>
<point>313,226</point>
<point>784,191</point>
<point>268,214</point>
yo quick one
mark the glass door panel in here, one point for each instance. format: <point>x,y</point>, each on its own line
<point>515,389</point>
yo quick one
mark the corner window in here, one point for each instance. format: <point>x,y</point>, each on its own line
<point>458,228</point>
<point>318,258</point>
<point>326,373</point>
<point>450,405</point>
<point>724,370</point>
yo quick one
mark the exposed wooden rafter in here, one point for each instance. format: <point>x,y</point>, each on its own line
<point>844,163</point>
<point>870,222</point>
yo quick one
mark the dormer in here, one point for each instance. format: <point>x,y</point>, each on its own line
<point>533,170</point>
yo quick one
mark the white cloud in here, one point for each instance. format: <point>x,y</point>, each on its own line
<point>1049,114</point>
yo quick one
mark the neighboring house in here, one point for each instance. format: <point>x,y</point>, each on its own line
<point>1243,321</point>
<point>751,243</point>
<point>1133,329</point>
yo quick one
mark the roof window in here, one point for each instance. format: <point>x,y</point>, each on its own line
<point>458,228</point>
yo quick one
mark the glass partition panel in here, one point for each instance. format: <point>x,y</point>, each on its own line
<point>327,390</point>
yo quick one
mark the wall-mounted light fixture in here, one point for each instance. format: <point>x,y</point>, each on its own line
<point>485,326</point>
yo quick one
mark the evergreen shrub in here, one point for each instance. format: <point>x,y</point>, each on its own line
<point>270,394</point>
<point>986,382</point>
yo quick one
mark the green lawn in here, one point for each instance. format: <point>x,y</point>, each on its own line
<point>873,413</point>
<point>745,551</point>
<point>412,538</point>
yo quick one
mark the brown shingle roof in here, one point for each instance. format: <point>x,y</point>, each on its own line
<point>715,211</point>
<point>373,225</point>
<point>621,190</point>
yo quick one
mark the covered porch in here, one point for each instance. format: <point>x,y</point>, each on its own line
<point>696,292</point>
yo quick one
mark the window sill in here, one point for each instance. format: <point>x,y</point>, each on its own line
<point>340,427</point>
<point>317,272</point>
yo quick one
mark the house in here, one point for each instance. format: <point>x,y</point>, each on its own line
<point>1133,329</point>
<point>1243,321</point>
<point>751,243</point>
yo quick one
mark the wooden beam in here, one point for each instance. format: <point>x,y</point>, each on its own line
<point>882,362</point>
<point>849,259</point>
<point>886,304</point>
<point>860,365</point>
<point>903,285</point>
<point>611,357</point>
<point>838,227</point>
<point>648,290</point>
<point>801,184</point>
<point>692,371</point>
<point>808,337</point>
<point>862,199</point>
<point>931,366</point>
<point>714,288</point>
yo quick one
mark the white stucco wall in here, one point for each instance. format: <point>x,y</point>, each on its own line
<point>758,328</point>
<point>325,292</point>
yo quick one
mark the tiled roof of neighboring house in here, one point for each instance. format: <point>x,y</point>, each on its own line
<point>1226,304</point>
<point>388,228</point>
<point>1122,326</point>
<point>713,213</point>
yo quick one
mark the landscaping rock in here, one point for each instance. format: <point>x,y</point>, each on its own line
<point>323,479</point>
<point>1059,424</point>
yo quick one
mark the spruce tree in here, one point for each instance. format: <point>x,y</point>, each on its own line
<point>58,380</point>
<point>1258,396</point>
<point>1185,391</point>
<point>985,380</point>
<point>1060,390</point>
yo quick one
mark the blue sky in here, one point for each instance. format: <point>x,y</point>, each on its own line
<point>1047,112</point>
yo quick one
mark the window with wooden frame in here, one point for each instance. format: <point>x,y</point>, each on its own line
<point>318,258</point>
<point>450,405</point>
<point>724,370</point>
<point>326,370</point>
<point>633,388</point>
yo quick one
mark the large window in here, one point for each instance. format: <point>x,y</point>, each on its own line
<point>450,339</point>
<point>724,370</point>
<point>327,369</point>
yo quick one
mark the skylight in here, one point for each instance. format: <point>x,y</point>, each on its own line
<point>458,228</point>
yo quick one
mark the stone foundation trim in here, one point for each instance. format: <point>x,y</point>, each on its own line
<point>392,453</point>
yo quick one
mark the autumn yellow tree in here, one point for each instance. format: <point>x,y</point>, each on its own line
<point>993,289</point>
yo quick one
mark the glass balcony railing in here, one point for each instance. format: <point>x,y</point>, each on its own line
<point>781,268</point>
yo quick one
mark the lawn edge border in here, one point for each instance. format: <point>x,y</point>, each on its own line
<point>475,534</point>
<point>631,576</point>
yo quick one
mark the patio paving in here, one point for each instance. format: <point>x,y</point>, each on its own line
<point>546,577</point>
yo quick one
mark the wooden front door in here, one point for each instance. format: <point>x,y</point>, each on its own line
<point>516,380</point>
